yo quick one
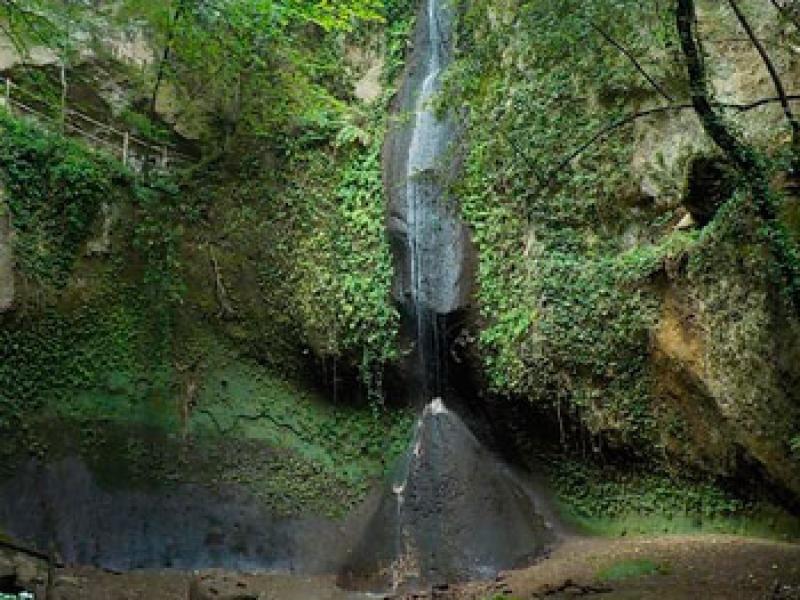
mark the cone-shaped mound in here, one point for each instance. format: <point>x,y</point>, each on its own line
<point>453,512</point>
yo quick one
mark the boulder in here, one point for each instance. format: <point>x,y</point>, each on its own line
<point>30,572</point>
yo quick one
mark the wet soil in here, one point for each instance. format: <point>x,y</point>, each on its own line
<point>688,567</point>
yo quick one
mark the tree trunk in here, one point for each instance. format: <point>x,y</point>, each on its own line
<point>165,56</point>
<point>744,158</point>
<point>776,80</point>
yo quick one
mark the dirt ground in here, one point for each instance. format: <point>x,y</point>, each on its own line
<point>688,567</point>
<point>704,567</point>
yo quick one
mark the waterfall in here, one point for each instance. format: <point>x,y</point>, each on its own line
<point>435,232</point>
<point>453,510</point>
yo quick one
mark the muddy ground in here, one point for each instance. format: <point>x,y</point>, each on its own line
<point>664,568</point>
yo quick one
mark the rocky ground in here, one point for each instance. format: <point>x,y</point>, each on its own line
<point>667,568</point>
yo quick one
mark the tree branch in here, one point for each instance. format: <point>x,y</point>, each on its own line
<point>633,60</point>
<point>773,73</point>
<point>225,308</point>
<point>627,120</point>
<point>712,122</point>
<point>786,13</point>
<point>28,16</point>
<point>165,56</point>
<point>744,158</point>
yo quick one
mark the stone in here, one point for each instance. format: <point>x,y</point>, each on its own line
<point>101,243</point>
<point>368,88</point>
<point>7,568</point>
<point>30,572</point>
<point>687,222</point>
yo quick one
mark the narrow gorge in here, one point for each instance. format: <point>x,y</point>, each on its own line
<point>402,299</point>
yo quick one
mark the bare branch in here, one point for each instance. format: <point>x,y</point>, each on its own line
<point>743,157</point>
<point>627,120</point>
<point>225,308</point>
<point>773,73</point>
<point>658,87</point>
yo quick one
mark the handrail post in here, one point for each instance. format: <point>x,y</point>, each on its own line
<point>163,157</point>
<point>8,93</point>
<point>125,144</point>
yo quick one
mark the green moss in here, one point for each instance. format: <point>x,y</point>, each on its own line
<point>305,257</point>
<point>133,361</point>
<point>612,501</point>
<point>353,444</point>
<point>630,569</point>
<point>344,258</point>
<point>564,278</point>
<point>98,383</point>
<point>767,523</point>
<point>576,259</point>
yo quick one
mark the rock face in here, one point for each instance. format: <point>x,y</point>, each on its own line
<point>725,350</point>
<point>718,345</point>
<point>185,526</point>
<point>6,257</point>
<point>725,368</point>
<point>453,512</point>
<point>432,248</point>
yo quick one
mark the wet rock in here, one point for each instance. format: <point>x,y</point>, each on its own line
<point>454,512</point>
<point>120,530</point>
<point>432,248</point>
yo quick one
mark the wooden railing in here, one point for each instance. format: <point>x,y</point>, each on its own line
<point>133,151</point>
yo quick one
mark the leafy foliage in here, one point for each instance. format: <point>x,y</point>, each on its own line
<point>621,500</point>
<point>576,247</point>
<point>100,368</point>
<point>321,256</point>
<point>565,312</point>
<point>55,189</point>
<point>248,66</point>
<point>346,261</point>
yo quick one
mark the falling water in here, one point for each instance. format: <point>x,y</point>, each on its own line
<point>434,230</point>
<point>453,510</point>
